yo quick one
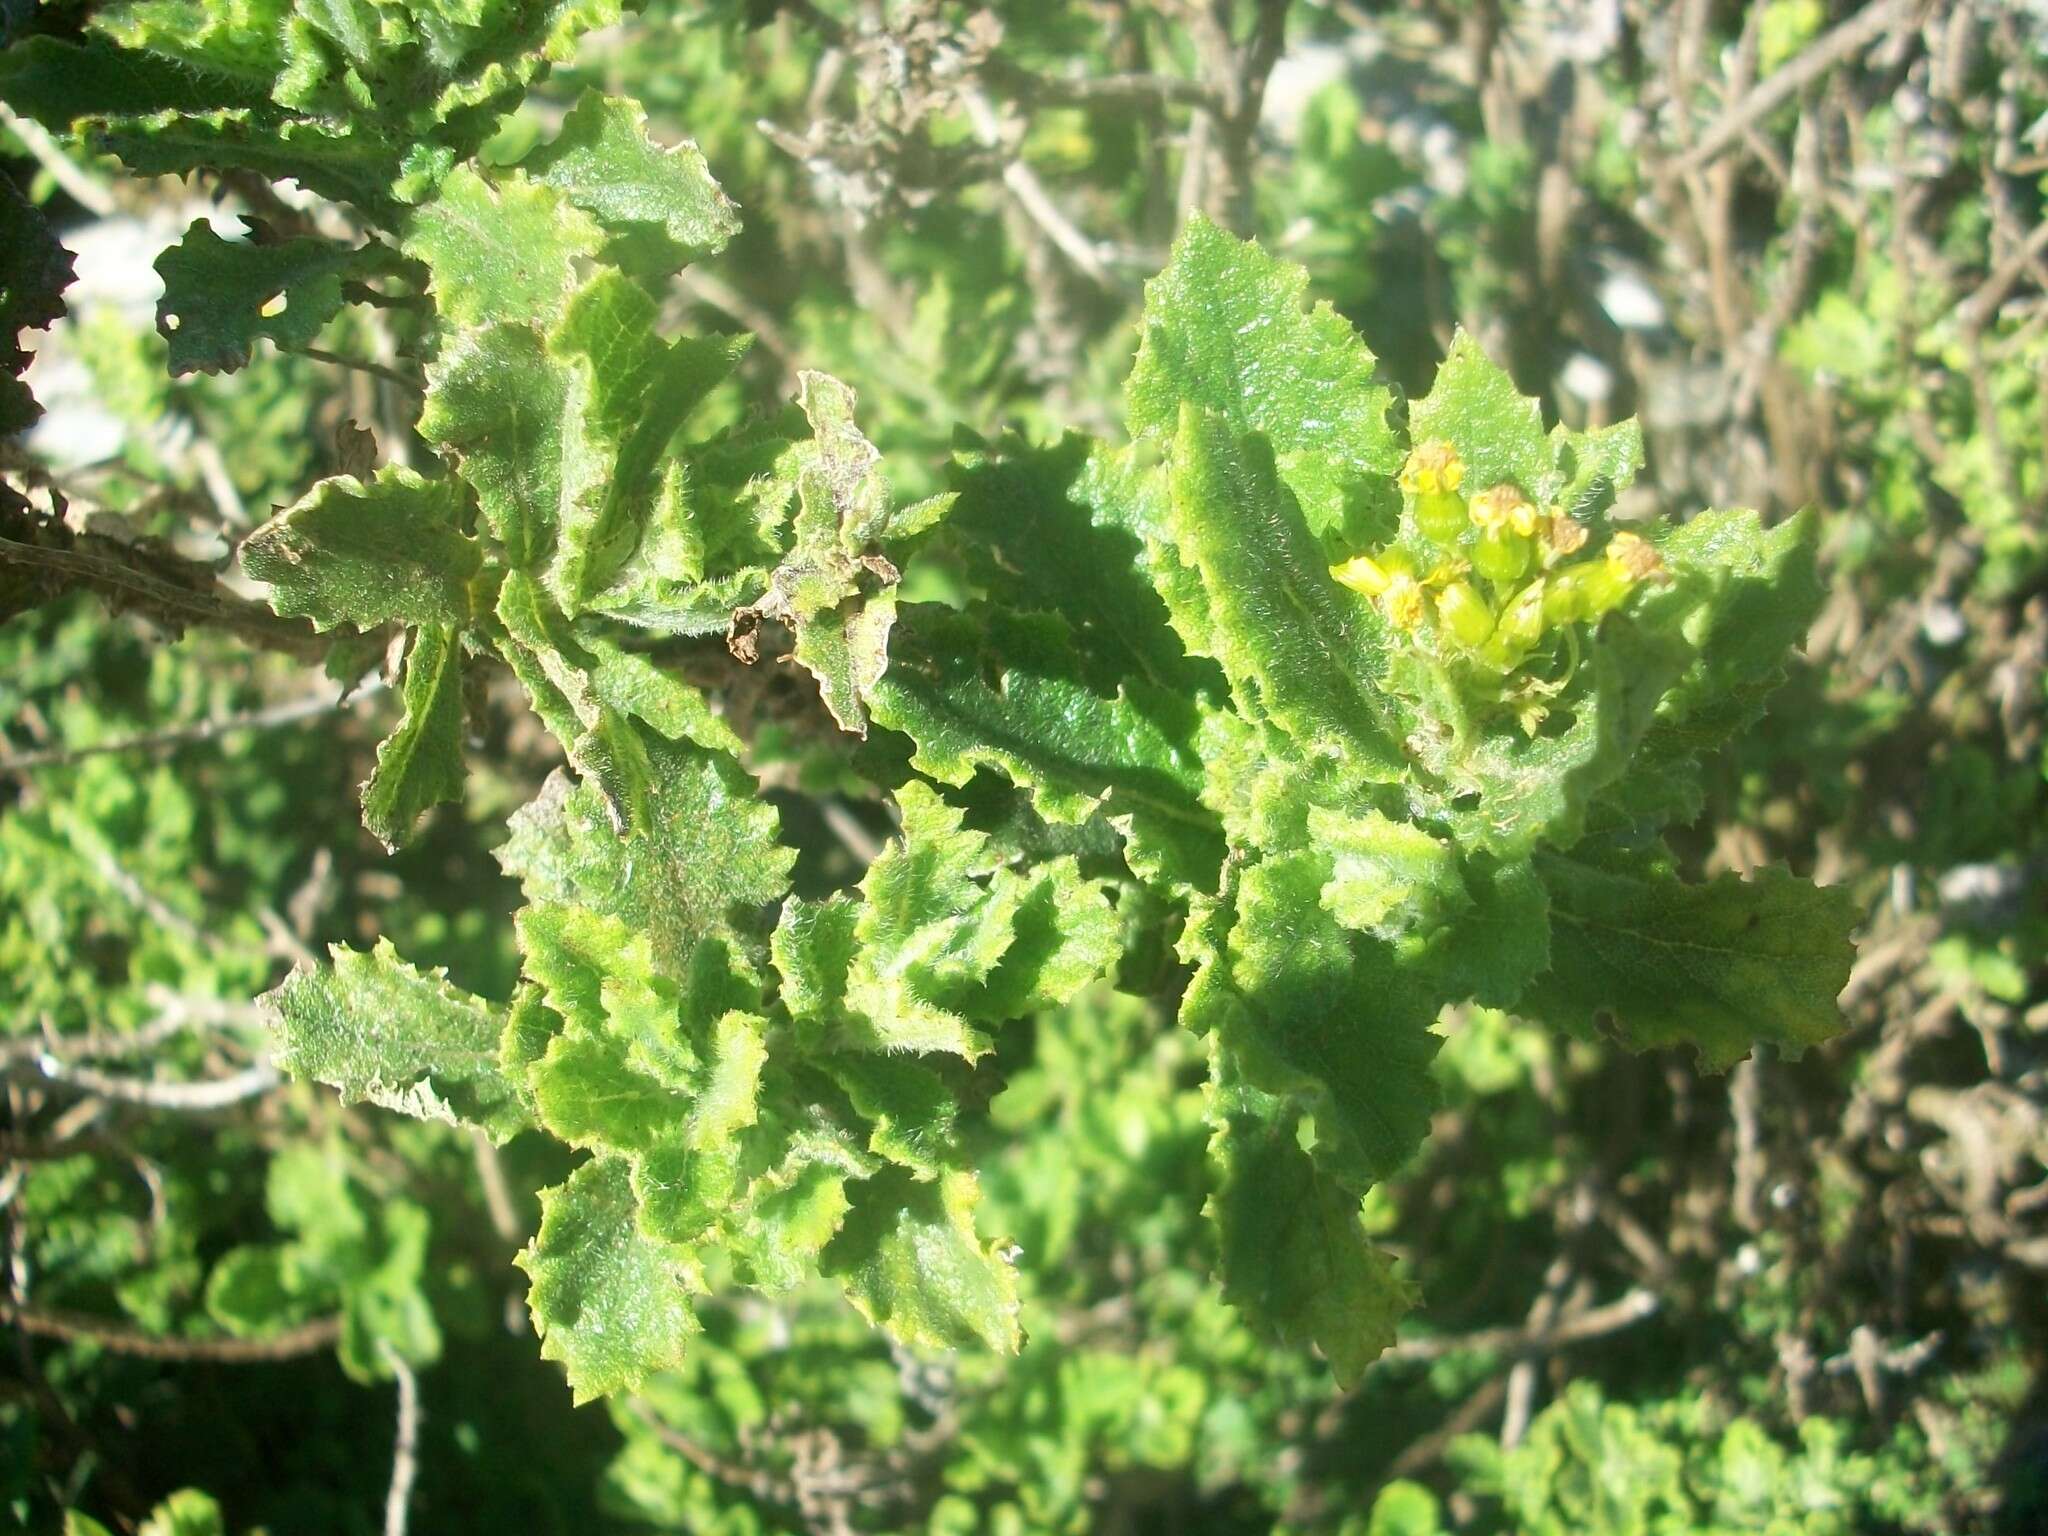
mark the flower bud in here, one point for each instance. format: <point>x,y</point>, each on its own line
<point>1440,517</point>
<point>1362,573</point>
<point>1499,508</point>
<point>1627,562</point>
<point>1464,614</point>
<point>1522,620</point>
<point>1563,535</point>
<point>1564,596</point>
<point>1520,627</point>
<point>1501,554</point>
<point>1432,468</point>
<point>1635,558</point>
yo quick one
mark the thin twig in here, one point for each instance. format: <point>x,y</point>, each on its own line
<point>361,365</point>
<point>196,1098</point>
<point>178,1014</point>
<point>185,735</point>
<point>1632,1308</point>
<point>1976,311</point>
<point>86,189</point>
<point>490,1174</point>
<point>405,1445</point>
<point>1032,197</point>
<point>126,585</point>
<point>126,1339</point>
<point>1785,82</point>
<point>1139,90</point>
<point>138,895</point>
<point>765,1486</point>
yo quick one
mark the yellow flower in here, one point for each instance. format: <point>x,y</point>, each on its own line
<point>1500,508</point>
<point>1633,558</point>
<point>1565,535</point>
<point>1402,601</point>
<point>1433,468</point>
<point>1362,573</point>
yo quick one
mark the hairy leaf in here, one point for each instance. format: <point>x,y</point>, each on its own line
<point>1313,1011</point>
<point>350,164</point>
<point>387,551</point>
<point>707,861</point>
<point>909,1259</point>
<point>420,763</point>
<point>661,201</point>
<point>499,401</point>
<point>942,941</point>
<point>1718,966</point>
<point>1009,691</point>
<point>833,589</point>
<point>628,392</point>
<point>1760,593</point>
<point>220,296</point>
<point>1224,332</point>
<point>1292,1249</point>
<point>500,252</point>
<point>379,1030</point>
<point>1296,649</point>
<point>58,82</point>
<point>611,1305</point>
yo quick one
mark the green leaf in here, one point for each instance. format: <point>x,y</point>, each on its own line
<point>1388,878</point>
<point>240,40</point>
<point>794,1210</point>
<point>942,940</point>
<point>58,82</point>
<point>500,252</point>
<point>420,763</point>
<point>1297,650</point>
<point>1507,792</point>
<point>628,393</point>
<point>188,1512</point>
<point>662,201</point>
<point>378,1030</point>
<point>911,1263</point>
<point>1498,432</point>
<point>589,1094</point>
<point>1761,591</point>
<point>499,402</point>
<point>1309,1010</point>
<point>1291,1245</point>
<point>220,296</point>
<point>1056,529</point>
<point>591,675</point>
<point>1224,333</point>
<point>833,590</point>
<point>706,862</point>
<point>912,1112</point>
<point>389,551</point>
<point>349,164</point>
<point>34,272</point>
<point>988,688</point>
<point>1718,966</point>
<point>610,1305</point>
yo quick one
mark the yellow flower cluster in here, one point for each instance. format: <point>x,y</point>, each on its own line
<point>1505,540</point>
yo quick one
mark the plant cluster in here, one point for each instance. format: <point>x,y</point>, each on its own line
<point>1021,892</point>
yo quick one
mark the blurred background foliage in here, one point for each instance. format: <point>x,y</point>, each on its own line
<point>1802,239</point>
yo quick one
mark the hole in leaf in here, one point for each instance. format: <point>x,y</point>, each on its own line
<point>273,306</point>
<point>172,322</point>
